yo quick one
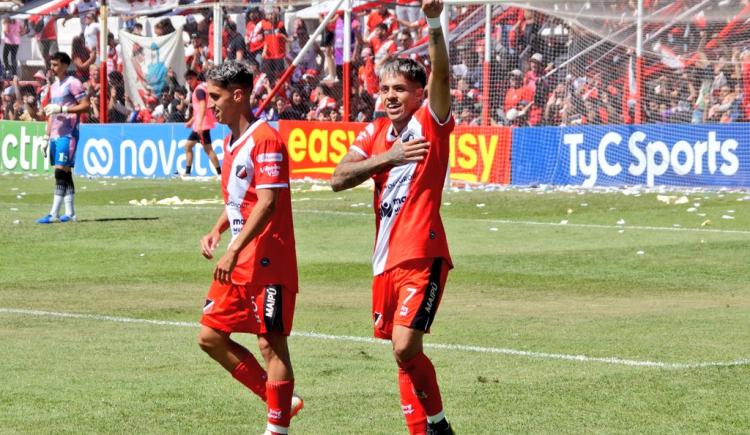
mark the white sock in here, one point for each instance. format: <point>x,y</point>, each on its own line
<point>69,209</point>
<point>56,201</point>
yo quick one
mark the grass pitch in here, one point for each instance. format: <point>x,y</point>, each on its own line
<point>628,277</point>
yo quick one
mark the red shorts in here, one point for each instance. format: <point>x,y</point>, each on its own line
<point>257,309</point>
<point>408,295</point>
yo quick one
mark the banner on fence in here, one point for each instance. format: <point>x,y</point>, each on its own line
<point>147,62</point>
<point>141,150</point>
<point>477,154</point>
<point>683,155</point>
<point>20,147</point>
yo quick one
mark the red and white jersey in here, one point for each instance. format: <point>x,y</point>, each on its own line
<point>408,197</point>
<point>259,160</point>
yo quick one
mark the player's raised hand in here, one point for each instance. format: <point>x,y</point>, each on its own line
<point>209,242</point>
<point>432,8</point>
<point>402,153</point>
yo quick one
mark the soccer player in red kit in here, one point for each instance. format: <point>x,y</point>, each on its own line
<point>406,153</point>
<point>255,281</point>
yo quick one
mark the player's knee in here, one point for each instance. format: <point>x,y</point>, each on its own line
<point>209,342</point>
<point>404,351</point>
<point>272,346</point>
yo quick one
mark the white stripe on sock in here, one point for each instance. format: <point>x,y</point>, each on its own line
<point>277,429</point>
<point>436,418</point>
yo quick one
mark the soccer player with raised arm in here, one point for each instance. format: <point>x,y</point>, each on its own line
<point>68,100</point>
<point>406,153</point>
<point>255,281</point>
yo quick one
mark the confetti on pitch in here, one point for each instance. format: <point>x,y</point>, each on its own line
<point>564,222</point>
<point>640,253</point>
<point>621,222</point>
<point>728,217</point>
<point>480,205</point>
<point>493,229</point>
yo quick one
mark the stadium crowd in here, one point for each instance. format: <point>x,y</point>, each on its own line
<point>543,71</point>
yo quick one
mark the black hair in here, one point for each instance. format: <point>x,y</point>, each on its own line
<point>61,57</point>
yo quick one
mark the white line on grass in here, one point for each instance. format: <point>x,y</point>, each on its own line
<point>459,347</point>
<point>552,224</point>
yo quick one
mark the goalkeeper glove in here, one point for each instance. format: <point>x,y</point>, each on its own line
<point>52,109</point>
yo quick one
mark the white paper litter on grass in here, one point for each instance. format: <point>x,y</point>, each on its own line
<point>681,200</point>
<point>13,209</point>
<point>480,205</point>
<point>726,216</point>
<point>621,222</point>
<point>16,222</point>
<point>493,229</point>
<point>691,209</point>
<point>640,253</point>
<point>666,199</point>
<point>563,222</point>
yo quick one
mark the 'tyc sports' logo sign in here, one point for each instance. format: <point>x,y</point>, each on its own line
<point>654,157</point>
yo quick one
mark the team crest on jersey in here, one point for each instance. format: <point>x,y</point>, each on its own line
<point>407,135</point>
<point>241,171</point>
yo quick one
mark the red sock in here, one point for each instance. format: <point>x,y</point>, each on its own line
<point>422,375</point>
<point>416,420</point>
<point>251,375</point>
<point>279,405</point>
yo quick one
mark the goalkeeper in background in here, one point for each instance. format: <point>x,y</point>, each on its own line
<point>68,100</point>
<point>406,153</point>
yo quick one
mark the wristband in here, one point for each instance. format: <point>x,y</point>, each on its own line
<point>64,109</point>
<point>434,23</point>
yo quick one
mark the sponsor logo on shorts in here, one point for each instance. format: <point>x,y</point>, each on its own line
<point>274,413</point>
<point>269,157</point>
<point>407,409</point>
<point>270,308</point>
<point>431,297</point>
<point>208,305</point>
<point>238,222</point>
<point>265,261</point>
<point>432,235</point>
<point>376,318</point>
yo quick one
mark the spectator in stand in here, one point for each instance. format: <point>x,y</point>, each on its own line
<point>91,31</point>
<point>254,32</point>
<point>327,40</point>
<point>381,14</point>
<point>368,78</point>
<point>92,85</point>
<point>178,105</point>
<point>83,58</point>
<point>164,27</point>
<point>323,99</point>
<point>117,112</point>
<point>114,54</point>
<point>517,91</point>
<point>12,31</point>
<point>197,56</point>
<point>26,96</point>
<point>224,38</point>
<point>309,60</point>
<point>160,111</point>
<point>137,29</point>
<point>276,108</point>
<point>298,108</point>
<point>274,49</point>
<point>46,33</point>
<point>83,8</point>
<point>555,107</point>
<point>237,49</point>
<point>725,107</point>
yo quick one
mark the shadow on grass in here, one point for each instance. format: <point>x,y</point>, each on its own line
<point>117,219</point>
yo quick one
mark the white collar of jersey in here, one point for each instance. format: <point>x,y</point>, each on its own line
<point>243,137</point>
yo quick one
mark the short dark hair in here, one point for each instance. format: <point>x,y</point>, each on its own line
<point>409,68</point>
<point>61,57</point>
<point>190,73</point>
<point>231,72</point>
